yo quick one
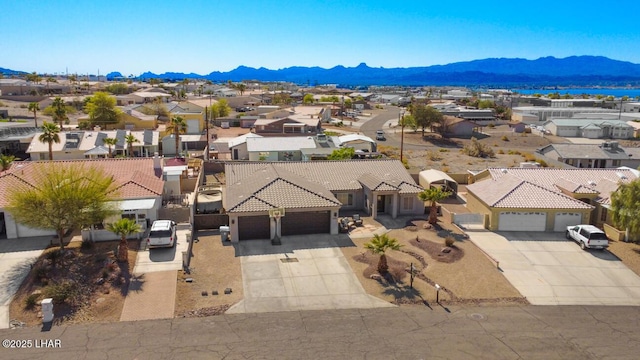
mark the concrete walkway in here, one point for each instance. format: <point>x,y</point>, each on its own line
<point>550,270</point>
<point>304,273</point>
<point>152,290</point>
<point>16,258</point>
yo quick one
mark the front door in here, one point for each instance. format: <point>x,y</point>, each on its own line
<point>235,154</point>
<point>381,202</point>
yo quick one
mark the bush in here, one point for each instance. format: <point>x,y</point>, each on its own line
<point>31,301</point>
<point>500,151</point>
<point>443,150</point>
<point>477,149</point>
<point>449,240</point>
<point>61,292</point>
<point>491,125</point>
<point>433,156</point>
<point>542,163</point>
<point>87,245</point>
<point>504,138</point>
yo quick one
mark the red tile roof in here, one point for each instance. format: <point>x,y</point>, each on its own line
<point>134,177</point>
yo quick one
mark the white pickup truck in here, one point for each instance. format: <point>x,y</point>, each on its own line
<point>588,236</point>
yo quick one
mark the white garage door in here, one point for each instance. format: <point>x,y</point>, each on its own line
<point>193,126</point>
<point>522,221</point>
<point>566,219</point>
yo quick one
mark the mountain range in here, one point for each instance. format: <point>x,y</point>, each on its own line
<point>577,71</point>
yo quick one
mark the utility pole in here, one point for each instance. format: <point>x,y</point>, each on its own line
<point>401,120</point>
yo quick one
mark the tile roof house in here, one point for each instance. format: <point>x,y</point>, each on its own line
<point>312,193</point>
<point>137,181</point>
<point>606,155</point>
<point>590,128</point>
<point>544,199</point>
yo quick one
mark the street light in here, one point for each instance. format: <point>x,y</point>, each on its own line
<point>401,121</point>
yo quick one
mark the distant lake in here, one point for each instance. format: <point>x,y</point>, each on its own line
<point>616,92</point>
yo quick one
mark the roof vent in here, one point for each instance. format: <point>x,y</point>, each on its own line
<point>591,182</point>
<point>504,171</point>
<point>621,175</point>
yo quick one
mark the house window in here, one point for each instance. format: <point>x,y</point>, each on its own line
<point>603,215</point>
<point>616,163</point>
<point>407,203</point>
<point>345,198</point>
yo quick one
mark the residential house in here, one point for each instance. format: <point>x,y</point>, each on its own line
<point>606,155</point>
<point>590,128</point>
<point>137,182</point>
<point>458,127</point>
<point>143,96</point>
<point>311,195</point>
<point>278,148</point>
<point>544,199</point>
<point>292,124</point>
<point>90,145</point>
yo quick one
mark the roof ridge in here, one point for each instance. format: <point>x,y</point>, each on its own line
<point>254,197</point>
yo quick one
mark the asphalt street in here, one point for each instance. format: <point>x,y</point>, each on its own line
<point>369,128</point>
<point>409,332</point>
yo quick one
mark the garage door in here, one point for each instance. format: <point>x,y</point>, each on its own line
<point>522,221</point>
<point>566,219</point>
<point>254,227</point>
<point>309,222</point>
<point>193,126</point>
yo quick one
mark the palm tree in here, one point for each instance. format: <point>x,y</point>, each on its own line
<point>379,245</point>
<point>50,135</point>
<point>124,228</point>
<point>49,79</point>
<point>130,139</point>
<point>59,111</point>
<point>433,194</point>
<point>178,126</point>
<point>5,161</point>
<point>34,107</point>
<point>242,87</point>
<point>110,142</point>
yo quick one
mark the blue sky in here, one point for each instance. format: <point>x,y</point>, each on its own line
<point>203,36</point>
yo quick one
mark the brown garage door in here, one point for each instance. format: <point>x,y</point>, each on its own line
<point>253,227</point>
<point>310,222</point>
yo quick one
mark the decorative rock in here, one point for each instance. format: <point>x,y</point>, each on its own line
<point>375,277</point>
<point>188,280</point>
<point>446,250</point>
<point>427,226</point>
<point>99,300</point>
<point>204,293</point>
<point>214,292</point>
<point>100,281</point>
<point>227,291</point>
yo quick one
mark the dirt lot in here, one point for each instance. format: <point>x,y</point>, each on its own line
<point>466,274</point>
<point>629,253</point>
<point>214,266</point>
<point>90,300</point>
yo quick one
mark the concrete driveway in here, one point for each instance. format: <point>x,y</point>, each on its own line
<point>16,258</point>
<point>304,273</point>
<point>163,259</point>
<point>549,270</point>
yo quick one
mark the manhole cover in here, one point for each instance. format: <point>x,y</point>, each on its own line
<point>288,260</point>
<point>478,316</point>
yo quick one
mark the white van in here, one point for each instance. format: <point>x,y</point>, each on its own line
<point>162,234</point>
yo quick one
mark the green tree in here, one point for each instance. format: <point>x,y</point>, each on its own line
<point>102,110</point>
<point>177,126</point>
<point>408,121</point>
<point>625,211</point>
<point>63,198</point>
<point>307,99</point>
<point>118,89</point>
<point>124,228</point>
<point>426,116</point>
<point>348,103</point>
<point>49,80</point>
<point>157,108</point>
<point>154,82</point>
<point>433,195</point>
<point>34,107</point>
<point>130,139</point>
<point>242,87</point>
<point>110,142</point>
<point>6,161</point>
<point>50,135</point>
<point>33,77</point>
<point>220,109</point>
<point>379,246</point>
<point>345,153</point>
<point>59,111</point>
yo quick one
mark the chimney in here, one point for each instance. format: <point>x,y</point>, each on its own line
<point>157,161</point>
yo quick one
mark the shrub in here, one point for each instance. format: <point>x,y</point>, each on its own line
<point>31,301</point>
<point>542,163</point>
<point>433,156</point>
<point>477,149</point>
<point>449,240</point>
<point>446,169</point>
<point>398,273</point>
<point>87,245</point>
<point>443,150</point>
<point>62,292</point>
<point>528,156</point>
<point>405,162</point>
<point>504,138</point>
<point>491,125</point>
<point>500,151</point>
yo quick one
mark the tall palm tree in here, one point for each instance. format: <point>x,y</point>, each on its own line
<point>110,142</point>
<point>130,139</point>
<point>34,107</point>
<point>433,194</point>
<point>124,228</point>
<point>177,125</point>
<point>50,135</point>
<point>5,161</point>
<point>59,111</point>
<point>379,245</point>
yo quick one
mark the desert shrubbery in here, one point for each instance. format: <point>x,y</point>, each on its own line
<point>477,149</point>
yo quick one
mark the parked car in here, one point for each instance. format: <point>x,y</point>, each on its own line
<point>380,135</point>
<point>162,234</point>
<point>588,236</point>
